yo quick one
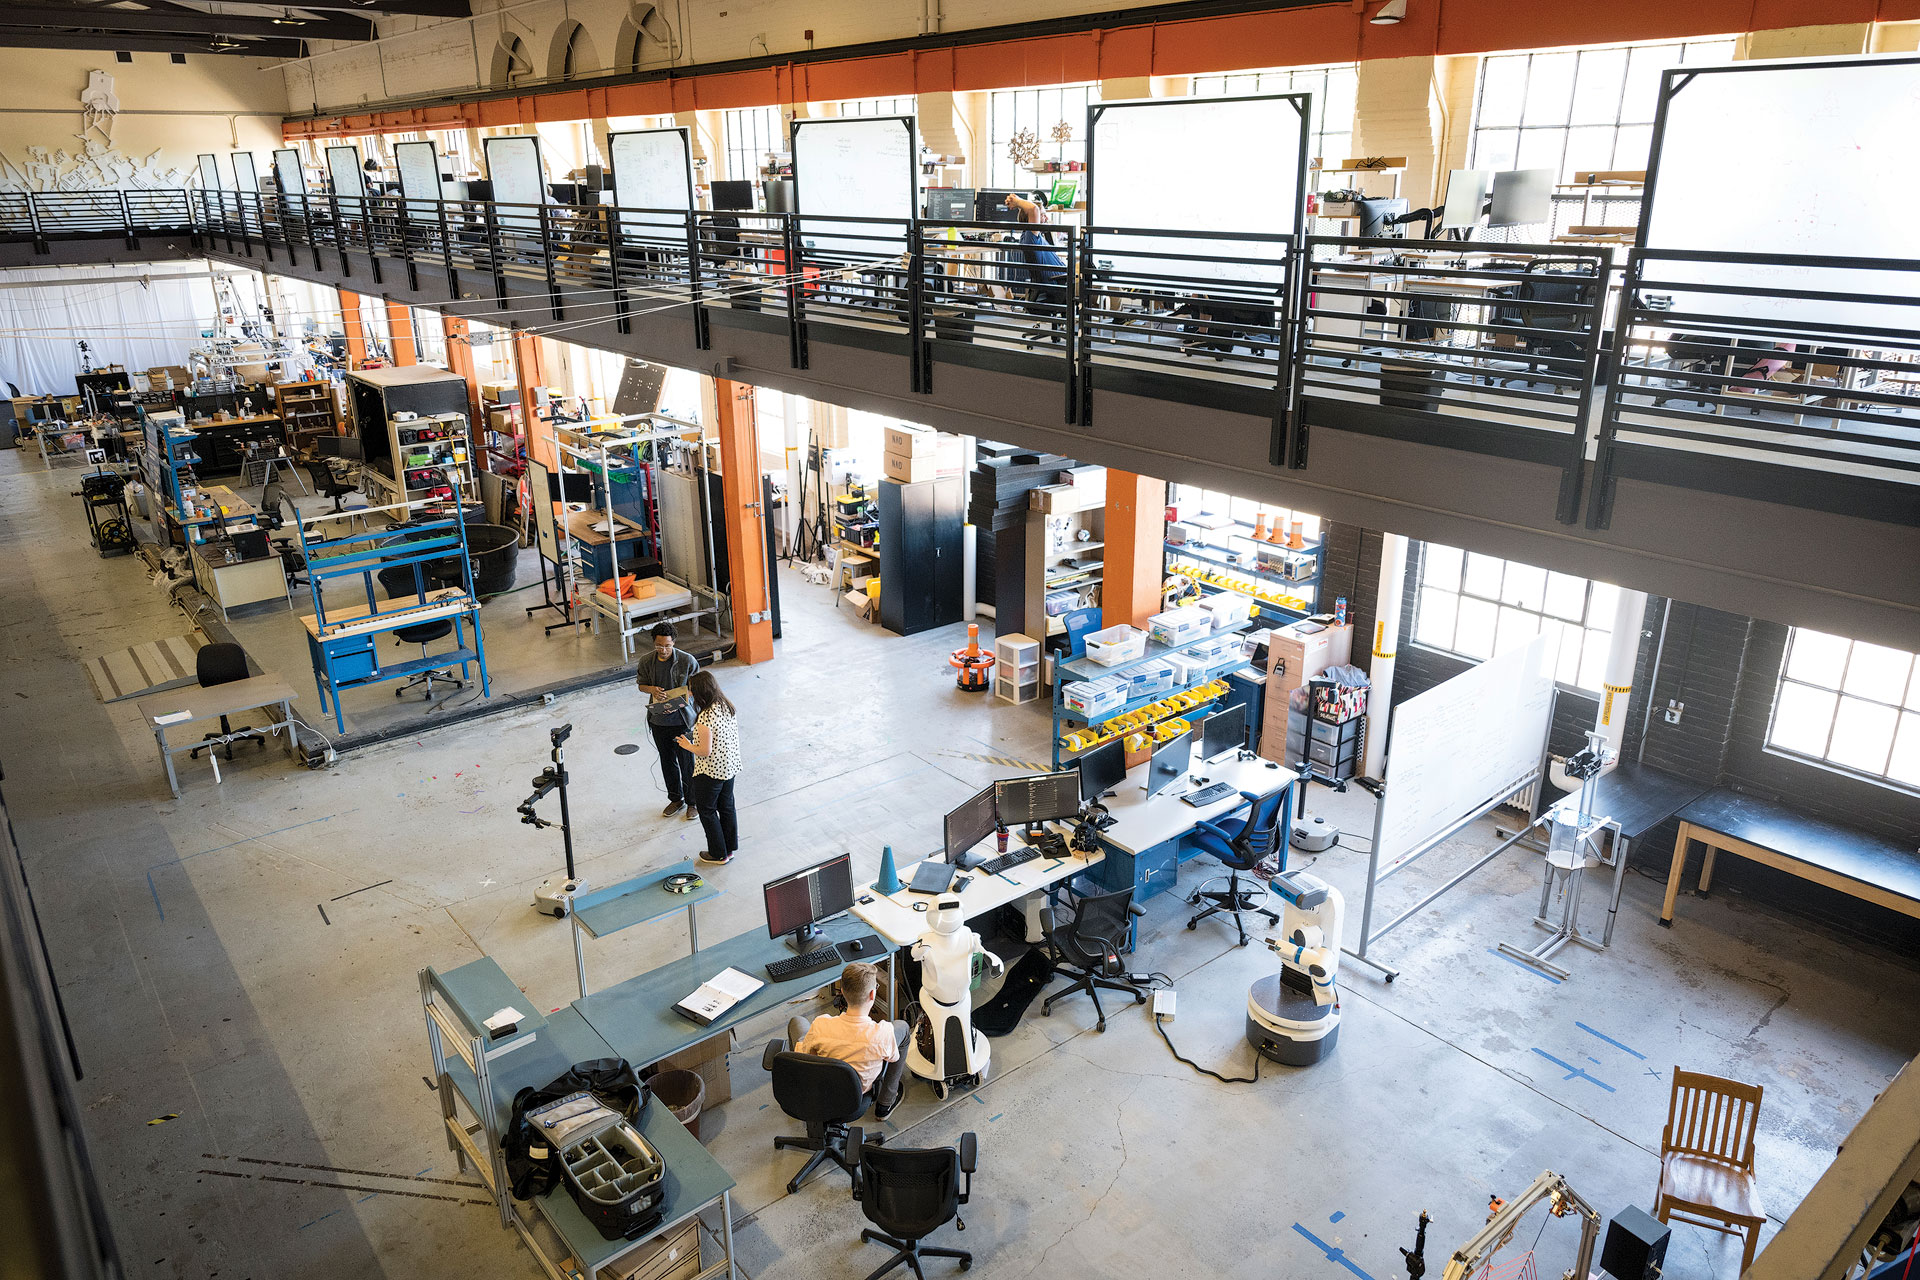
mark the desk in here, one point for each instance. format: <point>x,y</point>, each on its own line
<point>1149,837</point>
<point>892,915</point>
<point>347,653</point>
<point>177,707</point>
<point>1838,857</point>
<point>236,582</point>
<point>232,507</point>
<point>1639,798</point>
<point>634,616</point>
<point>632,902</point>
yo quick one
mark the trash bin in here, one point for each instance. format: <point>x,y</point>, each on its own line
<point>681,1092</point>
<point>495,553</point>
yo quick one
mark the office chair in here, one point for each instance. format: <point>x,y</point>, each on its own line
<point>222,664</point>
<point>1042,293</point>
<point>825,1095</point>
<point>909,1193</point>
<point>1089,946</point>
<point>1241,844</point>
<point>398,582</point>
<point>1544,309</point>
<point>326,484</point>
<point>291,559</point>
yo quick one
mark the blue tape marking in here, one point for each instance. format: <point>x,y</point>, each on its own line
<point>1653,1073</point>
<point>1009,879</point>
<point>322,1218</point>
<point>1610,1040</point>
<point>763,1106</point>
<point>995,1116</point>
<point>1495,951</point>
<point>1576,1073</point>
<point>1333,1254</point>
<point>1337,1215</point>
<point>156,897</point>
<point>977,1098</point>
<point>365,1198</point>
<point>1595,1061</point>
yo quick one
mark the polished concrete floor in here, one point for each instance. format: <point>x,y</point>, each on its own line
<point>240,965</point>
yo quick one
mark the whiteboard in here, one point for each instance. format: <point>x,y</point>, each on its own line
<point>652,170</point>
<point>853,165</point>
<point>419,178</point>
<point>1464,744</point>
<point>1833,176</point>
<point>1199,164</point>
<point>518,177</point>
<point>245,176</point>
<point>343,166</point>
<point>209,172</point>
<point>546,531</point>
<point>291,176</point>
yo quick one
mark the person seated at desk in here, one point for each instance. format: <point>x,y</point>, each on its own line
<point>874,1050</point>
<point>1044,265</point>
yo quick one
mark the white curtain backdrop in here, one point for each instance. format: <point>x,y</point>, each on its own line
<point>154,320</point>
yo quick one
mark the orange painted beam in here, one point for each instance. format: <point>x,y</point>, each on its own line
<point>354,325</point>
<point>406,348</point>
<point>1288,37</point>
<point>745,518</point>
<point>530,375</point>
<point>460,361</point>
<point>1136,535</point>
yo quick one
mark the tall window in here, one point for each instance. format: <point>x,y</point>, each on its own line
<point>751,132</point>
<point>1475,606</point>
<point>878,106</point>
<point>1850,704</point>
<point>1577,108</point>
<point>1330,132</point>
<point>1036,111</point>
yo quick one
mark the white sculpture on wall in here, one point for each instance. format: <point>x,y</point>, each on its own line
<point>96,163</point>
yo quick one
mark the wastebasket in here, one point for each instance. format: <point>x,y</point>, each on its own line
<point>681,1092</point>
<point>495,552</point>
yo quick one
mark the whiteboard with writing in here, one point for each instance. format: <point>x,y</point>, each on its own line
<point>343,166</point>
<point>1464,744</point>
<point>851,166</point>
<point>291,176</point>
<point>209,171</point>
<point>419,167</point>
<point>652,171</point>
<point>518,177</point>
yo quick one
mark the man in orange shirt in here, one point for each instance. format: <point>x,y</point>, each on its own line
<point>871,1048</point>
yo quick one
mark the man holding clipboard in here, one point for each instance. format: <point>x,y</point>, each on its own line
<point>662,675</point>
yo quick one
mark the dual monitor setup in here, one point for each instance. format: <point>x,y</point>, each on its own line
<point>963,204</point>
<point>1505,198</point>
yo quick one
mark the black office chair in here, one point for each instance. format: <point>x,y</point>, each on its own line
<point>326,484</point>
<point>909,1193</point>
<point>398,582</point>
<point>1545,308</point>
<point>1040,287</point>
<point>825,1095</point>
<point>1089,945</point>
<point>222,664</point>
<point>272,498</point>
<point>1241,844</point>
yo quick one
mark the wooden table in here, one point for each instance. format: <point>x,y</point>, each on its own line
<point>232,507</point>
<point>1854,862</point>
<point>164,711</point>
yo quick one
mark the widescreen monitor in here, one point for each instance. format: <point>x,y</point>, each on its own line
<point>1466,197</point>
<point>797,903</point>
<point>1376,214</point>
<point>1521,197</point>
<point>733,195</point>
<point>1102,769</point>
<point>1041,797</point>
<point>954,204</point>
<point>1225,730</point>
<point>971,823</point>
<point>1170,760</point>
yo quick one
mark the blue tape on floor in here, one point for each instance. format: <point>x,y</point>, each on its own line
<point>1333,1254</point>
<point>1337,1215</point>
<point>1610,1040</point>
<point>1495,951</point>
<point>1576,1073</point>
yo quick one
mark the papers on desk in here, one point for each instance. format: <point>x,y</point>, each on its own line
<point>175,718</point>
<point>717,995</point>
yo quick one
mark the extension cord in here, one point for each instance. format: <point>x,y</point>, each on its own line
<point>1163,1004</point>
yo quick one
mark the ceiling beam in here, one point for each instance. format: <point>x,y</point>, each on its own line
<point>27,38</point>
<point>181,21</point>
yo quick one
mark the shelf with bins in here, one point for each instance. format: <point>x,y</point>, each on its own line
<point>1066,555</point>
<point>1275,593</point>
<point>1160,710</point>
<point>1087,669</point>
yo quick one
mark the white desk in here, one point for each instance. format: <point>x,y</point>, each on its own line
<point>1142,822</point>
<point>181,707</point>
<point>892,915</point>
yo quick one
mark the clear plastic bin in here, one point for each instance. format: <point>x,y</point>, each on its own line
<point>1115,645</point>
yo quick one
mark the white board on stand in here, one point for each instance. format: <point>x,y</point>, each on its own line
<point>652,182</point>
<point>343,167</point>
<point>1464,744</point>
<point>518,178</point>
<point>245,176</point>
<point>854,166</point>
<point>419,167</point>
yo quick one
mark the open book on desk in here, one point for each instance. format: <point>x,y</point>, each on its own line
<point>717,995</point>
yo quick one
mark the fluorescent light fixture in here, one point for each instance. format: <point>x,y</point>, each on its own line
<point>1389,13</point>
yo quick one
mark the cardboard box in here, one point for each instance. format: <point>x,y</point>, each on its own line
<point>912,469</point>
<point>674,1255</point>
<point>912,441</point>
<point>708,1060</point>
<point>1296,654</point>
<point>1063,499</point>
<point>1089,480</point>
<point>500,392</point>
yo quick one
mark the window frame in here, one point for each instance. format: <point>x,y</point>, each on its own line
<point>1900,709</point>
<point>1317,80</point>
<point>1002,100</point>
<point>1590,630</point>
<point>733,121</point>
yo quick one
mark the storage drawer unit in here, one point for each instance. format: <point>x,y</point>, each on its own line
<point>1016,668</point>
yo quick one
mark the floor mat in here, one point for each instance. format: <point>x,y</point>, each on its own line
<point>1002,1014</point>
<point>145,668</point>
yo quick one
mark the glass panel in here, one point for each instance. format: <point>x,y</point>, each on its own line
<point>1434,623</point>
<point>1642,92</point>
<point>1495,148</point>
<point>1542,149</point>
<point>1515,628</point>
<point>1566,596</point>
<point>1549,89</point>
<point>1633,147</point>
<point>1563,650</point>
<point>1525,586</point>
<point>1483,575</point>
<point>1474,635</point>
<point>1593,659</point>
<point>1862,735</point>
<point>1877,672</point>
<point>1342,86</point>
<point>1440,566</point>
<point>1905,765</point>
<point>1590,147</point>
<point>1600,606</point>
<point>1816,657</point>
<point>1801,717</point>
<point>1502,85</point>
<point>1596,89</point>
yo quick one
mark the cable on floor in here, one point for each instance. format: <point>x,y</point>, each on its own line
<point>1159,1026</point>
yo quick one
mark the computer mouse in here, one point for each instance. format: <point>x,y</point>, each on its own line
<point>857,945</point>
<point>1272,765</point>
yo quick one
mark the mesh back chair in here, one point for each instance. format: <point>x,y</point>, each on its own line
<point>825,1094</point>
<point>399,582</point>
<point>222,664</point>
<point>1089,944</point>
<point>327,485</point>
<point>1548,312</point>
<point>909,1193</point>
<point>1241,844</point>
<point>291,560</point>
<point>1706,1158</point>
<point>1041,289</point>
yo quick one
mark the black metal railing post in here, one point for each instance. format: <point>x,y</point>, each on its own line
<point>615,247</point>
<point>547,260</point>
<point>126,221</point>
<point>796,292</point>
<point>920,360</point>
<point>492,220</point>
<point>366,236</point>
<point>446,249</point>
<point>403,220</point>
<point>339,236</point>
<point>702,329</point>
<point>40,244</point>
<point>1069,337</point>
<point>1290,446</point>
<point>1600,500</point>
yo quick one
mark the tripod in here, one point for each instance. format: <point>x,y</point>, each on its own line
<point>554,896</point>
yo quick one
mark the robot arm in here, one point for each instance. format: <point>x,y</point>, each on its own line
<point>1311,941</point>
<point>1561,1200</point>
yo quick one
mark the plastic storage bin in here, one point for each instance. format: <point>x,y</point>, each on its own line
<point>1115,645</point>
<point>1150,678</point>
<point>1187,667</point>
<point>1177,626</point>
<point>1229,608</point>
<point>1094,698</point>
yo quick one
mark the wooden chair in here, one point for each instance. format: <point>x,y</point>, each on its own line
<point>1706,1158</point>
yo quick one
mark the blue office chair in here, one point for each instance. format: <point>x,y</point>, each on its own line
<point>1079,622</point>
<point>1240,844</point>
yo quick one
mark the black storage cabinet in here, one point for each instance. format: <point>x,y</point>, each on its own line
<point>920,570</point>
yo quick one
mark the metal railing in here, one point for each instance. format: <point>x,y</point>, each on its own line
<point>1751,374</point>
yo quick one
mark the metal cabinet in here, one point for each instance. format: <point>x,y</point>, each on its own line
<point>920,554</point>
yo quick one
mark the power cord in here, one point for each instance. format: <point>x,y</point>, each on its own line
<point>1159,1026</point>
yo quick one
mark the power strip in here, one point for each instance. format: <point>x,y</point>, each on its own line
<point>1163,1004</point>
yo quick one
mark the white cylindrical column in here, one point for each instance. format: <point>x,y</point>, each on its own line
<point>1623,650</point>
<point>1386,641</point>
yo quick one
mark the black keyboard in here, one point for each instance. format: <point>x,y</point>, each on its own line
<point>800,966</point>
<point>1207,795</point>
<point>1008,861</point>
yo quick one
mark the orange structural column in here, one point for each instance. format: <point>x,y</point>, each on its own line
<point>354,326</point>
<point>530,375</point>
<point>745,517</point>
<point>460,361</point>
<point>1136,536</point>
<point>406,349</point>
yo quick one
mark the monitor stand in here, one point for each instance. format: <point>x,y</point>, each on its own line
<point>803,939</point>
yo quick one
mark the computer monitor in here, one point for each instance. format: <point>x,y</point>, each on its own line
<point>732,195</point>
<point>1376,214</point>
<point>1038,798</point>
<point>1170,760</point>
<point>1224,730</point>
<point>340,447</point>
<point>971,823</point>
<point>779,194</point>
<point>1102,769</point>
<point>1521,197</point>
<point>1466,197</point>
<point>991,206</point>
<point>953,204</point>
<point>796,904</point>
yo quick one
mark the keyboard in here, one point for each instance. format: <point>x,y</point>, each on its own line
<point>1207,795</point>
<point>1008,861</point>
<point>800,966</point>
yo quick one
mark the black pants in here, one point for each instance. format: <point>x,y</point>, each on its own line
<point>714,798</point>
<point>676,762</point>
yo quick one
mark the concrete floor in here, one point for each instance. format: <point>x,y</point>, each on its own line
<point>243,960</point>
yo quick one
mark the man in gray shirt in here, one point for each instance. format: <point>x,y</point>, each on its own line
<point>659,674</point>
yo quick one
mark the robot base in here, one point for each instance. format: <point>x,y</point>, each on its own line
<point>1285,1024</point>
<point>550,898</point>
<point>919,1064</point>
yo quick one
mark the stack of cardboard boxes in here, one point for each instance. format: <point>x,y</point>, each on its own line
<point>916,453</point>
<point>1295,655</point>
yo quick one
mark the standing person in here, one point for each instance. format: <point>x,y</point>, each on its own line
<point>658,675</point>
<point>715,744</point>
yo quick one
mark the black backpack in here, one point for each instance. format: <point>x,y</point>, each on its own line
<point>533,1167</point>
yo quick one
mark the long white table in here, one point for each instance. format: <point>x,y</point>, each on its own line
<point>1142,821</point>
<point>893,917</point>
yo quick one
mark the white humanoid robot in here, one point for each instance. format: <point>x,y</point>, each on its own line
<point>949,954</point>
<point>1294,1016</point>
